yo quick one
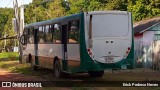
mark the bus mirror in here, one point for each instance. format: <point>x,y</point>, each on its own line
<point>90,43</point>
<point>22,39</point>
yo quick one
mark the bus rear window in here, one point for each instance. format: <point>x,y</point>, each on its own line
<point>110,25</point>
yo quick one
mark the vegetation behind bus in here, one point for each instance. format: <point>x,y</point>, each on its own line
<point>9,56</point>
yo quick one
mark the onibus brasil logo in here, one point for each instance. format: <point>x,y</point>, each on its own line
<point>20,84</point>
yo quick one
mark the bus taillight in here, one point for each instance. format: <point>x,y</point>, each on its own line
<point>128,50</point>
<point>89,51</point>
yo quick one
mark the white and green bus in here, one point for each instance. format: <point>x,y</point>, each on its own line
<point>88,42</point>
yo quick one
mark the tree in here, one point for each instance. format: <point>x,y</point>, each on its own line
<point>6,28</point>
<point>56,9</point>
<point>6,15</point>
<point>3,22</point>
<point>116,5</point>
<point>144,9</point>
<point>36,11</point>
<point>77,6</point>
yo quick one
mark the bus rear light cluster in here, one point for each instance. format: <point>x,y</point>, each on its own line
<point>89,51</point>
<point>128,50</point>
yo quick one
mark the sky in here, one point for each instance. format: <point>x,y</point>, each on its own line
<point>9,3</point>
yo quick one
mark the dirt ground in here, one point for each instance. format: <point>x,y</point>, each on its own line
<point>8,76</point>
<point>121,75</point>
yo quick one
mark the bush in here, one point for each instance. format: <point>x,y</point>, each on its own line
<point>9,56</point>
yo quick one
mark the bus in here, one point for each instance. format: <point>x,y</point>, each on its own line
<point>87,42</point>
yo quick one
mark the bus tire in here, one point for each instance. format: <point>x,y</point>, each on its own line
<point>57,69</point>
<point>96,73</point>
<point>33,67</point>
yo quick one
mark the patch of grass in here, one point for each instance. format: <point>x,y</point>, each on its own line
<point>14,66</point>
<point>9,56</point>
<point>7,65</point>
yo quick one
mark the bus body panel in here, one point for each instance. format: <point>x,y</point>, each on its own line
<point>104,51</point>
<point>73,53</point>
<point>47,55</point>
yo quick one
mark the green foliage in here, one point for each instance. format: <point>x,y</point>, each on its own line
<point>6,15</point>
<point>6,28</point>
<point>14,66</point>
<point>117,5</point>
<point>9,56</point>
<point>55,9</point>
<point>144,9</point>
<point>36,11</point>
<point>3,21</point>
<point>77,6</point>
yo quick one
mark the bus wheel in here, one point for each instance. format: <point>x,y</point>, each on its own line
<point>57,69</point>
<point>96,73</point>
<point>33,67</point>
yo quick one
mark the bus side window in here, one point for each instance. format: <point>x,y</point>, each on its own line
<point>25,36</point>
<point>41,35</point>
<point>56,33</point>
<point>73,33</point>
<point>30,36</point>
<point>48,34</point>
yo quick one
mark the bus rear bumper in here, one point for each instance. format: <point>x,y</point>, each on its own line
<point>123,64</point>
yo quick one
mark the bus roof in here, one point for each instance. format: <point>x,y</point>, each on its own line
<point>107,12</point>
<point>55,20</point>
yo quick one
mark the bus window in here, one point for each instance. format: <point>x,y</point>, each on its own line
<point>48,34</point>
<point>40,35</point>
<point>73,36</point>
<point>56,33</point>
<point>30,36</point>
<point>25,36</point>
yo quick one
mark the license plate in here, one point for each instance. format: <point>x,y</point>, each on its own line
<point>109,59</point>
